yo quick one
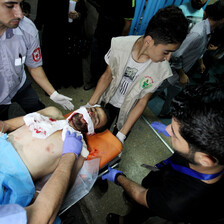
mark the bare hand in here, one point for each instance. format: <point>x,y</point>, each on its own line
<point>73,15</point>
<point>212,47</point>
<point>183,80</point>
<point>202,68</point>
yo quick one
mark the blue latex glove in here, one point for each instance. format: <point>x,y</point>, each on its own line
<point>160,128</point>
<point>111,174</point>
<point>72,144</point>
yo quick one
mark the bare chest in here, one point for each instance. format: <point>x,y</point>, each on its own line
<point>40,156</point>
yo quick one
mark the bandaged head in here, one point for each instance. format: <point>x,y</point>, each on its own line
<point>81,120</point>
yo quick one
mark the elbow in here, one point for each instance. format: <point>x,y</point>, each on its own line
<point>141,197</point>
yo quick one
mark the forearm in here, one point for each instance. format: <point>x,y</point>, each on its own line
<point>14,123</point>
<point>135,114</point>
<point>135,191</point>
<point>76,168</point>
<point>11,125</point>
<point>41,79</point>
<point>200,61</point>
<point>183,77</point>
<point>51,196</point>
<point>102,85</point>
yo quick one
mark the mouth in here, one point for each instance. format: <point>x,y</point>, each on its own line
<point>15,21</point>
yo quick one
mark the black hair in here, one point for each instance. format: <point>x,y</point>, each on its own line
<point>168,26</point>
<point>199,110</point>
<point>103,128</point>
<point>215,11</point>
<point>26,7</point>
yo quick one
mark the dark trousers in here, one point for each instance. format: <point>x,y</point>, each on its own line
<point>113,114</point>
<point>27,98</point>
<point>98,65</point>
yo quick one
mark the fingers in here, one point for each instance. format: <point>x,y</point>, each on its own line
<point>73,134</point>
<point>104,177</point>
<point>66,98</point>
<point>67,133</point>
<point>68,105</point>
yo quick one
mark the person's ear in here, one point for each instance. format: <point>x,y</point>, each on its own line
<point>207,160</point>
<point>149,41</point>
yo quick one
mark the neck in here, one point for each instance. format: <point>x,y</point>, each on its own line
<point>2,30</point>
<point>138,52</point>
<point>208,170</point>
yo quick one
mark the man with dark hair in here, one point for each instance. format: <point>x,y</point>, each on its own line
<point>46,206</point>
<point>19,41</point>
<point>188,186</point>
<point>137,65</point>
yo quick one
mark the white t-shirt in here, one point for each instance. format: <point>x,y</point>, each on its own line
<point>132,71</point>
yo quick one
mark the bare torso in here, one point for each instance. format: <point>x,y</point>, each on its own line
<point>41,156</point>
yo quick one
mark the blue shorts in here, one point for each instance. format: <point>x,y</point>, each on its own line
<point>16,184</point>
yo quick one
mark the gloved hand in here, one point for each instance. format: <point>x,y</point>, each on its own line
<point>89,106</point>
<point>72,144</point>
<point>64,101</point>
<point>121,137</point>
<point>111,175</point>
<point>160,128</point>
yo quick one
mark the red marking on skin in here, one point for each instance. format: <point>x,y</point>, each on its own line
<point>93,153</point>
<point>51,119</point>
<point>50,148</point>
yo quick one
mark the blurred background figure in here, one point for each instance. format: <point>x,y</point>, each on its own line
<point>114,20</point>
<point>61,41</point>
<point>193,10</point>
<point>26,8</point>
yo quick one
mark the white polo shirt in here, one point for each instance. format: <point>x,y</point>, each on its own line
<point>18,46</point>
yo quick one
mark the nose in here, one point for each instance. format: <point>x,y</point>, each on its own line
<point>18,12</point>
<point>169,130</point>
<point>90,113</point>
<point>168,56</point>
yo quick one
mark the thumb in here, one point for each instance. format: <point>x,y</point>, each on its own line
<point>104,177</point>
<point>79,137</point>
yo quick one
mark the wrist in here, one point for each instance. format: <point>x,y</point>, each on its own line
<point>55,93</point>
<point>121,137</point>
<point>116,177</point>
<point>2,125</point>
<point>69,155</point>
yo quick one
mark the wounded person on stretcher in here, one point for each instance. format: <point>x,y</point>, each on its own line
<point>25,158</point>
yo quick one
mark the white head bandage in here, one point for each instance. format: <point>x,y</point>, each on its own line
<point>86,117</point>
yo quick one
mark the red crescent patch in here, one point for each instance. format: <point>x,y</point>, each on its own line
<point>36,55</point>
